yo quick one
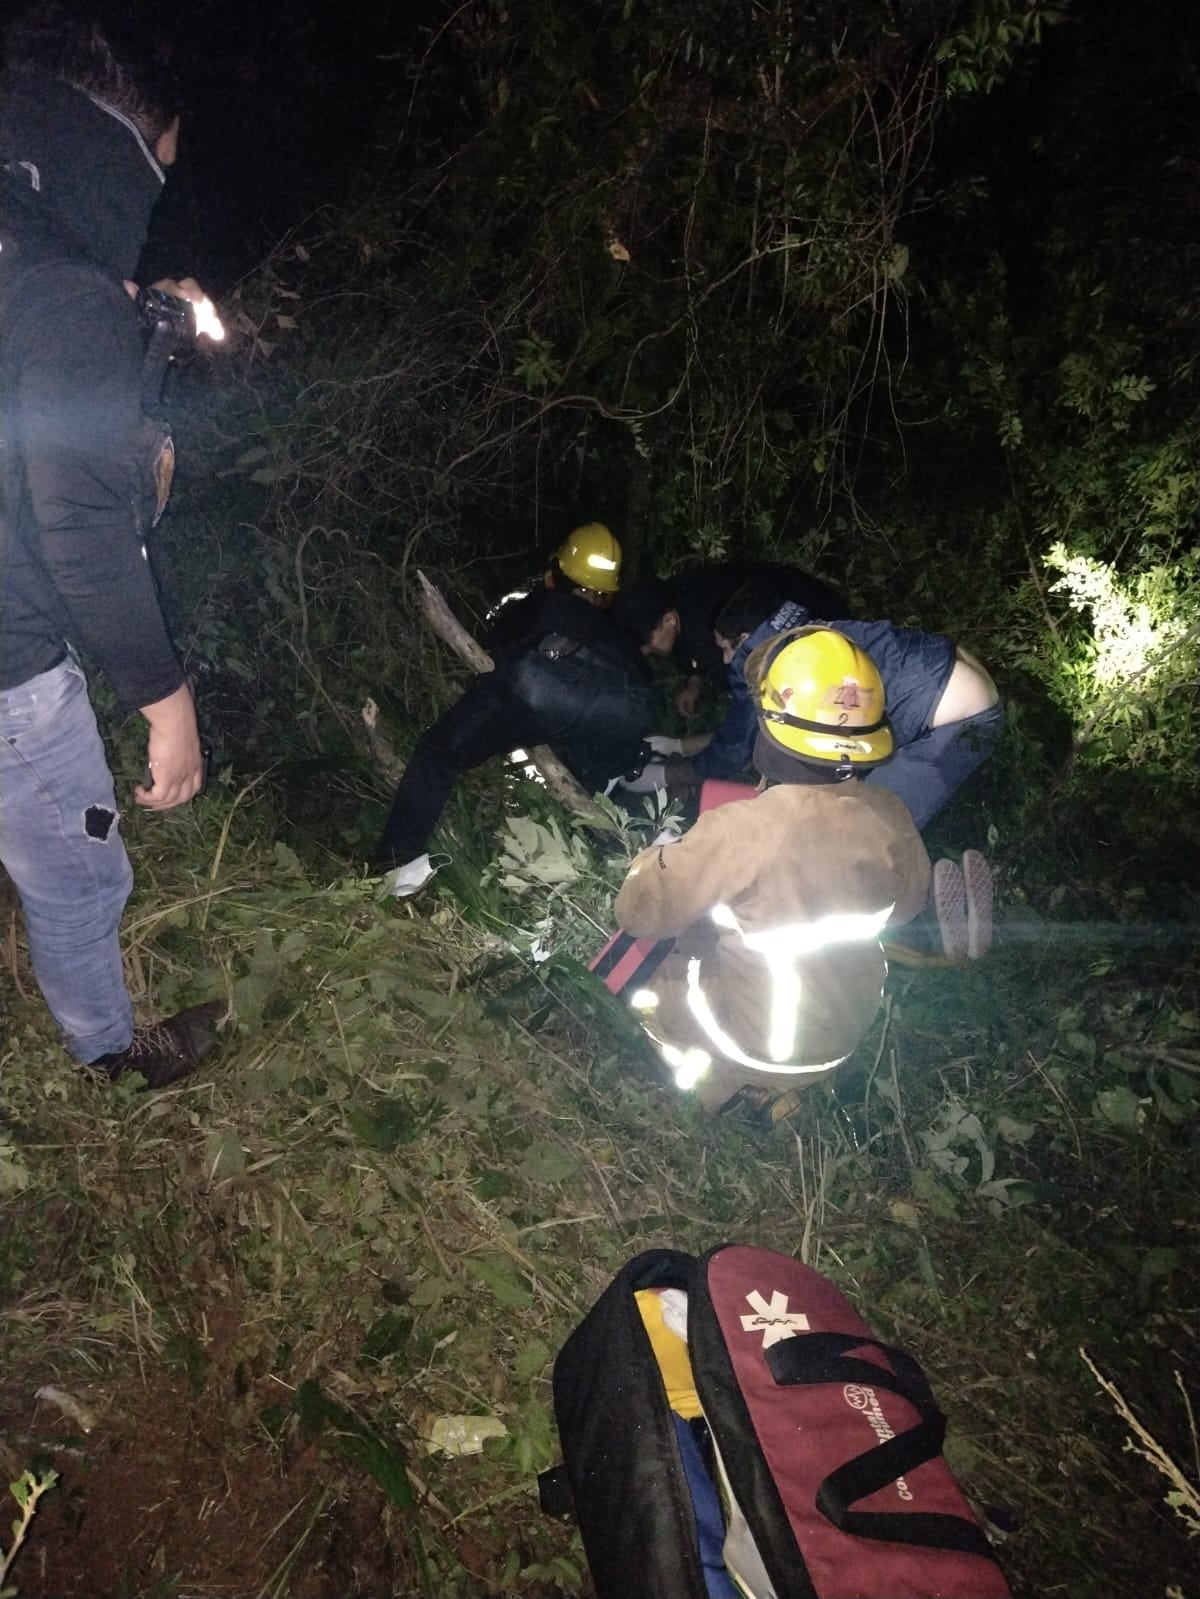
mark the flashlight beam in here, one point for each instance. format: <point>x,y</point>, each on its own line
<point>208,323</point>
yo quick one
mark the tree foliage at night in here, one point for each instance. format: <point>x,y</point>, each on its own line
<point>779,286</point>
<point>687,233</point>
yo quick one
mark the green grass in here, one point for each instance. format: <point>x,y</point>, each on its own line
<point>420,1157</point>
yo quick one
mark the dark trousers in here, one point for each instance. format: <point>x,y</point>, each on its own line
<point>927,772</point>
<point>594,715</point>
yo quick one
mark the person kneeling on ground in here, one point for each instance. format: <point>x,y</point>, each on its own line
<point>943,707</point>
<point>565,675</point>
<point>777,969</point>
<point>675,615</point>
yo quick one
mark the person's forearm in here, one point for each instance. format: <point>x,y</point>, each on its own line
<point>172,713</point>
<point>641,908</point>
<point>93,555</point>
<point>120,626</point>
<point>669,888</point>
<point>78,392</point>
<point>689,696</point>
<point>729,749</point>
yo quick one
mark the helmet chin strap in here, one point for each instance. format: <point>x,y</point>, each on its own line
<point>829,773</point>
<point>814,776</point>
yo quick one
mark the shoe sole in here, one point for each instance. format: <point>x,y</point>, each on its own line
<point>980,890</point>
<point>950,903</point>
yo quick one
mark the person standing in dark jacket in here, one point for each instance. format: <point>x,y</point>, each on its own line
<point>87,125</point>
<point>565,675</point>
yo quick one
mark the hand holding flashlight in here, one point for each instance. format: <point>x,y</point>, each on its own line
<point>205,321</point>
<point>208,323</point>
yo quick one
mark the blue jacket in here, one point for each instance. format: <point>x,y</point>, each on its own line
<point>915,668</point>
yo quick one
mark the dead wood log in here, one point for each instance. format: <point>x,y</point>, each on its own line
<point>449,629</point>
<point>566,790</point>
<point>388,761</point>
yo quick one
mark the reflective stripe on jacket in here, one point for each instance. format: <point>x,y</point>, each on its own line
<point>776,904</point>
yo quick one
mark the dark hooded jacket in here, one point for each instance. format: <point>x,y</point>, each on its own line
<point>77,186</point>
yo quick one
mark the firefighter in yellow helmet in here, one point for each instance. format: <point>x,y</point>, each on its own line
<point>776,903</point>
<point>585,567</point>
<point>819,701</point>
<point>590,558</point>
<point>945,711</point>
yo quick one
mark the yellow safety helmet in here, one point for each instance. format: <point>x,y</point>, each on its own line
<point>820,699</point>
<point>591,557</point>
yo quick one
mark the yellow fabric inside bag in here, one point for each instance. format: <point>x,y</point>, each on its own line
<point>671,1353</point>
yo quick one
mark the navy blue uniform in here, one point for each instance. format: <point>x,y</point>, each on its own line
<point>929,763</point>
<point>565,676</point>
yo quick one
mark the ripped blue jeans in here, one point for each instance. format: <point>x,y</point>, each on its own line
<point>60,842</point>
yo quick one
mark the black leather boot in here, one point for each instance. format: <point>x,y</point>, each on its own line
<point>165,1052</point>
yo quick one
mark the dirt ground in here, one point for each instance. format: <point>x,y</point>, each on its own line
<point>154,1500</point>
<point>176,1490</point>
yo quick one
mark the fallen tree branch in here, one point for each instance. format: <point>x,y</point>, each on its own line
<point>565,788</point>
<point>450,630</point>
<point>382,748</point>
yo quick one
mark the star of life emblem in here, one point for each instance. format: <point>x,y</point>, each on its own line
<point>772,1318</point>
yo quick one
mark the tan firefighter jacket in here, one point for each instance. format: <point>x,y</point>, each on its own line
<point>776,904</point>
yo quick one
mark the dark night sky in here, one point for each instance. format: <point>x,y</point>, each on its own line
<point>281,101</point>
<point>285,99</point>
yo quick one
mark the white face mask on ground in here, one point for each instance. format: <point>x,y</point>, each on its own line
<point>404,880</point>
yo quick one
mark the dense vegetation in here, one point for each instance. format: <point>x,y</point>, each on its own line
<point>903,291</point>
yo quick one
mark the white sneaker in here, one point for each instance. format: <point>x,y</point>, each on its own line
<point>977,876</point>
<point>950,903</point>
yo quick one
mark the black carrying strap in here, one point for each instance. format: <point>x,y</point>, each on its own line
<point>620,947</point>
<point>812,1358</point>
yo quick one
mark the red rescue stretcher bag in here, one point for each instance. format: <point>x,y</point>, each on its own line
<point>731,1429</point>
<point>626,960</point>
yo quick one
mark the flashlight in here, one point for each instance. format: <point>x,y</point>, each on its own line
<point>184,320</point>
<point>172,326</point>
